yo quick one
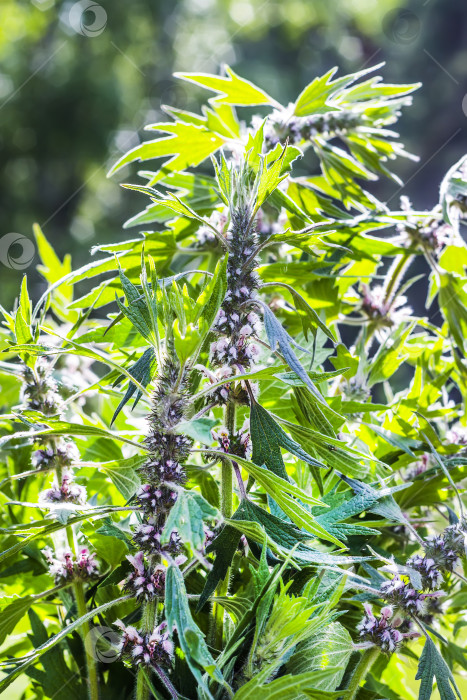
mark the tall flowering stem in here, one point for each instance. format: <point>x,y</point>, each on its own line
<point>367,660</point>
<point>233,352</point>
<point>163,473</point>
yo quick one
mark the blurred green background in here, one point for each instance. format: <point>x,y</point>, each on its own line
<point>78,80</point>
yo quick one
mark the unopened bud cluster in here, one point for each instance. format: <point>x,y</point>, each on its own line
<point>283,125</point>
<point>237,323</point>
<point>40,389</point>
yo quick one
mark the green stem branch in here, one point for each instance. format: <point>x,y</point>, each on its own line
<point>148,621</point>
<point>226,509</point>
<point>367,660</point>
<point>93,681</point>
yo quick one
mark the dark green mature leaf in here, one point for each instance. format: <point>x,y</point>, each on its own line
<point>268,437</point>
<point>287,687</point>
<point>331,647</point>
<point>332,518</point>
<point>331,451</point>
<point>385,504</point>
<point>287,536</point>
<point>432,666</point>
<point>142,372</point>
<point>277,336</point>
<point>190,637</point>
<point>187,516</point>
<point>57,680</point>
<point>288,497</point>
<point>224,546</point>
<point>25,662</point>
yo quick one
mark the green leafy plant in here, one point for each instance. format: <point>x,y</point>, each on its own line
<point>240,455</point>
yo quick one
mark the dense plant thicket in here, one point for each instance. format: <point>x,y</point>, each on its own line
<point>234,468</point>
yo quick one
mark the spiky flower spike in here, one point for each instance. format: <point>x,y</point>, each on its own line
<point>163,471</point>
<point>283,125</point>
<point>236,321</point>
<point>163,468</point>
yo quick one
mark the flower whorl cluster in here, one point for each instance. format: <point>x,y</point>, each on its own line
<point>379,630</point>
<point>146,649</point>
<point>448,548</point>
<point>427,233</point>
<point>67,491</point>
<point>147,581</point>
<point>59,456</point>
<point>205,236</point>
<point>382,311</point>
<point>457,435</point>
<point>431,576</point>
<point>283,125</point>
<point>40,393</point>
<point>65,567</point>
<point>238,443</point>
<point>40,389</point>
<point>236,322</point>
<point>418,467</point>
<point>403,597</point>
<point>442,554</point>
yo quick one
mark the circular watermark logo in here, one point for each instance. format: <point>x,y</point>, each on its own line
<point>87,18</point>
<point>401,26</point>
<point>104,644</point>
<point>16,251</point>
<point>464,105</point>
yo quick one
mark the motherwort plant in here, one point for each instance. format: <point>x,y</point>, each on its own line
<point>289,442</point>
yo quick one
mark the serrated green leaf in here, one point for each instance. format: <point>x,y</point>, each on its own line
<point>12,612</point>
<point>190,637</point>
<point>268,437</point>
<point>432,666</point>
<point>188,145</point>
<point>232,90</point>
<point>329,648</point>
<point>277,336</point>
